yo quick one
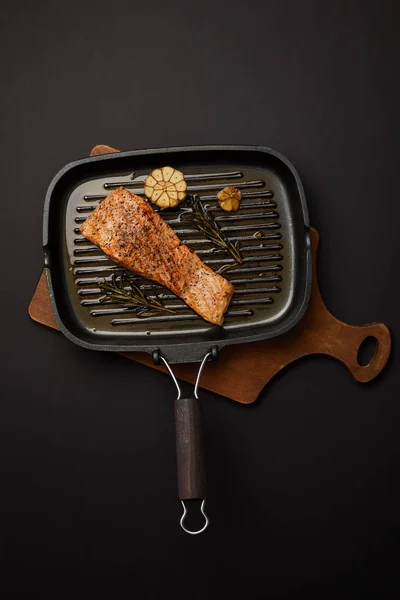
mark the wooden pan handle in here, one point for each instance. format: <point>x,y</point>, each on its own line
<point>190,449</point>
<point>346,344</point>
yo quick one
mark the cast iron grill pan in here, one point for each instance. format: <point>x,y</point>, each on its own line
<point>272,285</point>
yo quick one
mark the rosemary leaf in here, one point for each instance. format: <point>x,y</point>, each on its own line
<point>206,223</point>
<point>124,290</point>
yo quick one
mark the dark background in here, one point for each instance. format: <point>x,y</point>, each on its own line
<point>304,484</point>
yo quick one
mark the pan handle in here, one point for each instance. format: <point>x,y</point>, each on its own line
<point>190,448</point>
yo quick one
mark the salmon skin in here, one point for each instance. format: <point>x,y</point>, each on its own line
<point>130,232</point>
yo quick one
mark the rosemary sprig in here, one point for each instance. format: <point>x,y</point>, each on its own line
<point>204,220</point>
<point>133,297</point>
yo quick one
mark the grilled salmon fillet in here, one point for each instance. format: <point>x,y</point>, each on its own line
<point>131,233</point>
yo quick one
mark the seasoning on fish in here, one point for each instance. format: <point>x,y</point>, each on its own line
<point>131,233</point>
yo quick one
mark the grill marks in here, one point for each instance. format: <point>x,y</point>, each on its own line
<point>256,225</point>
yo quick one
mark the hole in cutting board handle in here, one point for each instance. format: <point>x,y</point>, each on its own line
<point>367,351</point>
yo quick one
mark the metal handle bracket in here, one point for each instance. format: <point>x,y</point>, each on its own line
<point>189,444</point>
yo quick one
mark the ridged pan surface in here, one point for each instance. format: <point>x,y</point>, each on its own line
<point>271,286</point>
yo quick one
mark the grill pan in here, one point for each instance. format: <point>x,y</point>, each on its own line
<point>272,286</point>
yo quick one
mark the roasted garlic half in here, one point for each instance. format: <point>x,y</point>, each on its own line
<point>229,198</point>
<point>165,187</point>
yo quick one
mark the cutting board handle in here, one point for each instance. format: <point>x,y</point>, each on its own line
<point>346,345</point>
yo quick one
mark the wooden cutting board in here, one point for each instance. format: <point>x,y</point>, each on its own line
<point>241,372</point>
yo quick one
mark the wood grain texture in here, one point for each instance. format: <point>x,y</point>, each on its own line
<point>190,449</point>
<point>102,149</point>
<point>241,372</point>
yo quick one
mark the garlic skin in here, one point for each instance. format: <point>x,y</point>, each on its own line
<point>229,198</point>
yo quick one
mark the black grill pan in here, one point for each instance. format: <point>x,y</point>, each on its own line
<point>272,286</point>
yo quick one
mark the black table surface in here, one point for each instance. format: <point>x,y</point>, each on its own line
<point>304,484</point>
